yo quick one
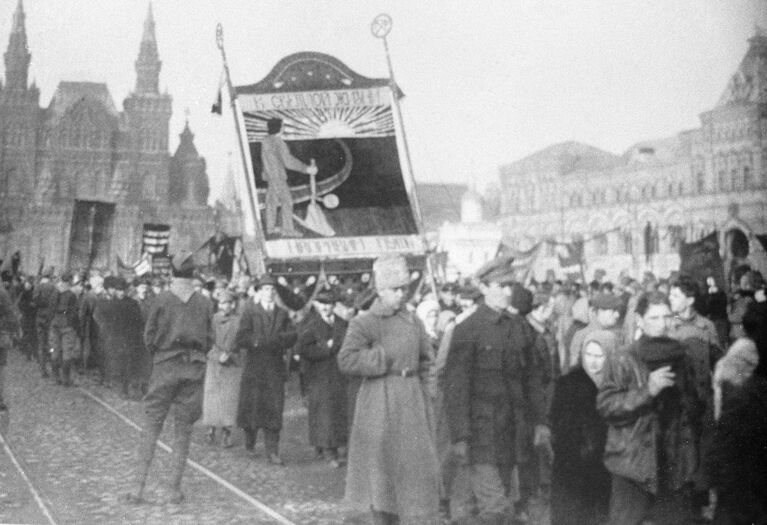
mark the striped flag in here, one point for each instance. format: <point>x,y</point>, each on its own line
<point>155,240</point>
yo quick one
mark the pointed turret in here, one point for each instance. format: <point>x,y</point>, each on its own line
<point>17,56</point>
<point>189,182</point>
<point>186,148</point>
<point>748,85</point>
<point>148,63</point>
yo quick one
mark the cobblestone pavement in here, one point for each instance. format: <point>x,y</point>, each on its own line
<point>81,458</point>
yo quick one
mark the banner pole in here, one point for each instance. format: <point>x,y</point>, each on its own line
<point>380,28</point>
<point>260,266</point>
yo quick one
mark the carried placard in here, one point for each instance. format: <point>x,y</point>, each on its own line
<point>326,165</point>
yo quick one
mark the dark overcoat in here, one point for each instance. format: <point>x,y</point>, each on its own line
<point>325,385</point>
<point>265,339</point>
<point>120,328</point>
<point>490,376</point>
<point>580,484</point>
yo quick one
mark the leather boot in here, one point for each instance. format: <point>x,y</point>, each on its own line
<point>181,440</point>
<point>271,444</point>
<point>145,455</point>
<point>67,372</point>
<point>56,370</point>
<point>226,438</point>
<point>380,517</point>
<point>250,439</point>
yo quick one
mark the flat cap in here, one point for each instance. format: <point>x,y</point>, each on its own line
<point>266,279</point>
<point>607,301</point>
<point>325,297</point>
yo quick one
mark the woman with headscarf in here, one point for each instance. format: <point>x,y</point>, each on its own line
<point>580,491</point>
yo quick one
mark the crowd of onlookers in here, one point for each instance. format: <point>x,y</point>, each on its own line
<point>650,404</point>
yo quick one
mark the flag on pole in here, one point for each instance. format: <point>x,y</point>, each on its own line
<point>701,259</point>
<point>522,261</point>
<point>218,105</point>
<point>570,254</point>
<point>141,267</point>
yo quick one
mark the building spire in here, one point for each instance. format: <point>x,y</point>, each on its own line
<point>148,63</point>
<point>17,57</point>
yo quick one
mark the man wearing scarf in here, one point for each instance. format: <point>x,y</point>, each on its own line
<point>650,402</point>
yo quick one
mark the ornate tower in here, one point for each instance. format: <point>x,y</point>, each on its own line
<point>17,56</point>
<point>148,63</point>
<point>147,113</point>
<point>18,114</point>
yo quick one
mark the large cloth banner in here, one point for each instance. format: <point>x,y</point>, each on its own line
<point>155,239</point>
<point>701,259</point>
<point>357,205</point>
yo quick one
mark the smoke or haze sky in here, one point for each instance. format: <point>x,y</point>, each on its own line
<point>486,82</point>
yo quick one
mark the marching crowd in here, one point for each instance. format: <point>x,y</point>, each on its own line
<point>624,403</point>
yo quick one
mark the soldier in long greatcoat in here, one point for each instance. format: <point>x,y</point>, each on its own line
<point>393,468</point>
<point>265,334</point>
<point>319,341</point>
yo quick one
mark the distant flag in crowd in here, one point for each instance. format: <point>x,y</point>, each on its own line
<point>225,256</point>
<point>522,262</point>
<point>141,267</point>
<point>156,239</point>
<point>701,259</point>
<point>570,254</point>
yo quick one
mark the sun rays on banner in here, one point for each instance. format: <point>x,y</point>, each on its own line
<point>318,123</point>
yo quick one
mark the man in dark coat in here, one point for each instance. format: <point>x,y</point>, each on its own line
<point>9,329</point>
<point>178,334</point>
<point>63,331</point>
<point>266,335</point>
<point>319,340</point>
<point>489,375</point>
<point>93,353</point>
<point>699,337</point>
<point>26,306</point>
<point>121,328</point>
<point>650,401</point>
<point>44,299</point>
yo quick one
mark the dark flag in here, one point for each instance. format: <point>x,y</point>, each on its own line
<point>570,254</point>
<point>701,259</point>
<point>217,104</point>
<point>762,240</point>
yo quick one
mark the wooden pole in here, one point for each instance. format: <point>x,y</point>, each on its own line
<point>260,265</point>
<point>381,27</point>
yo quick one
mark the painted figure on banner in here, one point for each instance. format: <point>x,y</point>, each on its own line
<point>276,159</point>
<point>313,107</point>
